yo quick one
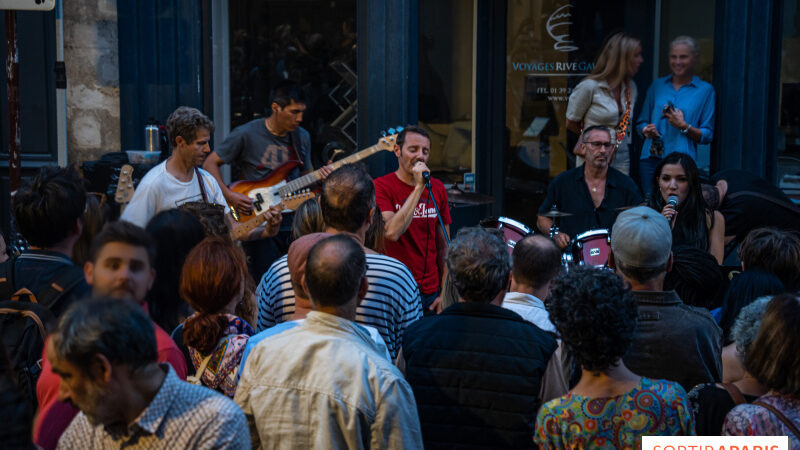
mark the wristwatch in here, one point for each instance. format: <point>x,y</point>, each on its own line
<point>685,131</point>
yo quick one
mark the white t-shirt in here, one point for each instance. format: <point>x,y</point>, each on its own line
<point>159,191</point>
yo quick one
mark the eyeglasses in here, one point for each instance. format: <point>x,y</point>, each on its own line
<point>597,145</point>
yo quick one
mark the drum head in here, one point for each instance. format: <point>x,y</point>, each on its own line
<point>592,248</point>
<point>512,230</point>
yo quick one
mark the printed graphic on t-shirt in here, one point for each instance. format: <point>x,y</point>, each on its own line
<point>420,212</point>
<point>274,156</point>
<point>191,198</point>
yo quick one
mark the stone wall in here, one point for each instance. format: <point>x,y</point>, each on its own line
<point>91,56</point>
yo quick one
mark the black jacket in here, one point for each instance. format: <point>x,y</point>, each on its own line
<point>674,341</point>
<point>476,370</point>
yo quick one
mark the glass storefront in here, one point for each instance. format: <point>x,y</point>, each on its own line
<point>789,127</point>
<point>309,41</point>
<point>445,87</point>
<point>551,47</point>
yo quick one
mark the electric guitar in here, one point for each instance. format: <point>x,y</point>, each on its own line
<point>270,190</point>
<point>289,202</point>
<point>124,192</point>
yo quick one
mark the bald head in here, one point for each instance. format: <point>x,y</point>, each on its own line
<point>334,270</point>
<point>536,261</point>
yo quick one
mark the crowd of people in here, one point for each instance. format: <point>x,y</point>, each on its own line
<point>342,341</point>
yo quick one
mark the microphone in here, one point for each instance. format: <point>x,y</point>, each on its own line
<point>673,200</point>
<point>427,177</point>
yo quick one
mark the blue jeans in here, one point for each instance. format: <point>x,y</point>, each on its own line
<point>427,299</point>
<point>647,169</point>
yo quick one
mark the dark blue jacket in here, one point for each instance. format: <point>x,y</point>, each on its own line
<point>476,370</point>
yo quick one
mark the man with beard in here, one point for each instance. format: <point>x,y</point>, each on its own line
<point>179,179</point>
<point>104,351</point>
<point>405,198</point>
<point>593,193</point>
<point>121,267</point>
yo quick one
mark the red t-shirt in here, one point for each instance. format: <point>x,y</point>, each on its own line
<point>55,416</point>
<point>416,248</point>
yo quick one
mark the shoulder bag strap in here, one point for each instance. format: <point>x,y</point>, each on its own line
<point>780,202</point>
<point>780,416</point>
<point>735,393</point>
<point>202,185</point>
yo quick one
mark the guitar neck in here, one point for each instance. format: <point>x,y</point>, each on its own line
<point>242,230</point>
<point>315,176</point>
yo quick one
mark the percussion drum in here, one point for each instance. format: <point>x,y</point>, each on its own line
<point>591,248</point>
<point>512,230</point>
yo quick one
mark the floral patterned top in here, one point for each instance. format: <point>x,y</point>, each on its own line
<point>655,407</point>
<point>754,420</point>
<point>222,371</point>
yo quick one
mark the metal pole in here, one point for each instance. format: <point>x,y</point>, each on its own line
<point>12,74</point>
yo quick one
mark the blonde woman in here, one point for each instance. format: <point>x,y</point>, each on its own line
<point>606,97</point>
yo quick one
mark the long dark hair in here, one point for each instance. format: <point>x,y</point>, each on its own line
<point>690,225</point>
<point>175,233</point>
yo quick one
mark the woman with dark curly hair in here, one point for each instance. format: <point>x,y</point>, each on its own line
<point>610,407</point>
<point>774,361</point>
<point>693,223</point>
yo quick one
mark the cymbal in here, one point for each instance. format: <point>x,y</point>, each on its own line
<point>555,213</point>
<point>469,198</point>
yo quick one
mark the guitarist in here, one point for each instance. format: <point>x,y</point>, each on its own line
<point>178,179</point>
<point>259,146</point>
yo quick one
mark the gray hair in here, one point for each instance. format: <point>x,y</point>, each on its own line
<point>184,122</point>
<point>479,264</point>
<point>747,324</point>
<point>117,329</point>
<point>687,41</point>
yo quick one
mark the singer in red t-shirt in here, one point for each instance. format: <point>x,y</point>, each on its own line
<point>413,233</point>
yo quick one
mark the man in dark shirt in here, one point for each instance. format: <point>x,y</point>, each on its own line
<point>673,341</point>
<point>593,193</point>
<point>748,202</point>
<point>476,368</point>
<point>48,212</point>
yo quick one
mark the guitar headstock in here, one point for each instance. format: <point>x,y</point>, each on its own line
<point>389,139</point>
<point>124,191</point>
<point>293,201</point>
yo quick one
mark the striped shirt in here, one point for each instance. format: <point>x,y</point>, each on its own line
<point>392,302</point>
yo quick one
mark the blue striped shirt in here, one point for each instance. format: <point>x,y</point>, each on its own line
<point>392,302</point>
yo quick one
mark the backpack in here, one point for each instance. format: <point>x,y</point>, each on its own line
<point>25,318</point>
<point>23,331</point>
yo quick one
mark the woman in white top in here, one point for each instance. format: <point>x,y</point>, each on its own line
<point>606,97</point>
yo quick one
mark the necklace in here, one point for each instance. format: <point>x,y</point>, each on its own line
<point>594,188</point>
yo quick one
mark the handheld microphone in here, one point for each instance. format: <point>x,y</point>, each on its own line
<point>426,176</point>
<point>673,200</point>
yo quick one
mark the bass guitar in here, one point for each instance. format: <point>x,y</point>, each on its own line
<point>270,190</point>
<point>240,231</point>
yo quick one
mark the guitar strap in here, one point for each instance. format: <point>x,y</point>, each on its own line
<point>202,185</point>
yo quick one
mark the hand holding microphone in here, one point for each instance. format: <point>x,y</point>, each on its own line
<point>422,175</point>
<point>670,210</point>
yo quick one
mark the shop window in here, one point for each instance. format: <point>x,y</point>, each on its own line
<point>551,47</point>
<point>700,26</point>
<point>789,126</point>
<point>445,91</point>
<point>308,41</point>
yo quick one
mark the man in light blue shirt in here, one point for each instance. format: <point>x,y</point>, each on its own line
<point>678,110</point>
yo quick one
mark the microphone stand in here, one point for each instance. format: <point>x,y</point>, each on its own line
<point>436,207</point>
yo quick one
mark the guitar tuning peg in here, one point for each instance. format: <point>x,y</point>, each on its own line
<point>383,133</point>
<point>399,129</point>
<point>391,130</point>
